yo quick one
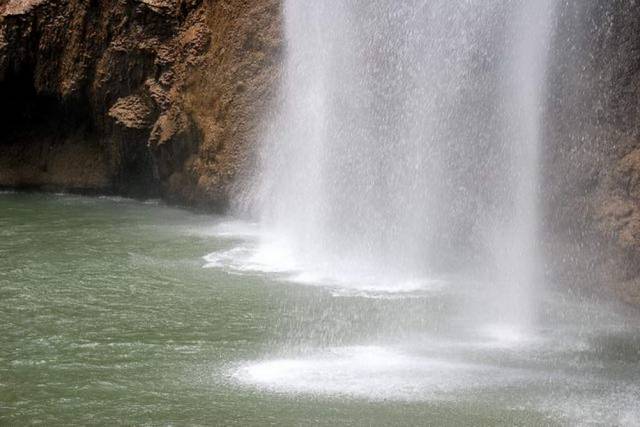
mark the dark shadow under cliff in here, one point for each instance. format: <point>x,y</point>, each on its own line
<point>53,137</point>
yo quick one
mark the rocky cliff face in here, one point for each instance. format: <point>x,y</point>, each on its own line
<point>139,97</point>
<point>592,158</point>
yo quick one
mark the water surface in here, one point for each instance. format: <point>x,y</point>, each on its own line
<point>116,311</point>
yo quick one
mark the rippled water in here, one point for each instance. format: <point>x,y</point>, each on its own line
<point>115,311</point>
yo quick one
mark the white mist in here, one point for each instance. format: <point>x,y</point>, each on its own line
<point>406,146</point>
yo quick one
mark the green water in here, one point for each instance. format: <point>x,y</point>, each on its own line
<point>107,316</point>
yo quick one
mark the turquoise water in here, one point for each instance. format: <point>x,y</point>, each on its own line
<point>110,313</point>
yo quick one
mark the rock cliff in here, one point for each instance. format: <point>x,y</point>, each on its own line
<point>138,97</point>
<point>592,157</point>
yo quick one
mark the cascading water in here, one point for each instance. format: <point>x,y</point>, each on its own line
<point>401,174</point>
<point>406,146</point>
<point>525,70</point>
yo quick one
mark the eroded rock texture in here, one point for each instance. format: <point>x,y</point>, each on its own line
<point>139,97</point>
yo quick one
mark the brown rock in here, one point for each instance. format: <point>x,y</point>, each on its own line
<point>627,174</point>
<point>137,80</point>
<point>19,7</point>
<point>132,112</point>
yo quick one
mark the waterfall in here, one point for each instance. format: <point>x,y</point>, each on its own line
<point>405,147</point>
<point>525,70</point>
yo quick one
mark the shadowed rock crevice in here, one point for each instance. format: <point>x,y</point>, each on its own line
<point>48,142</point>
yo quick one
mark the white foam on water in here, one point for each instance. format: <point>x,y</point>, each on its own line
<point>248,257</point>
<point>366,285</point>
<point>252,258</point>
<point>369,372</point>
<point>503,335</point>
<point>254,251</point>
<point>230,229</point>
